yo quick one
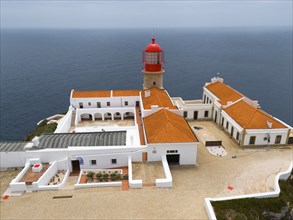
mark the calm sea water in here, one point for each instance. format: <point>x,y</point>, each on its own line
<point>40,67</point>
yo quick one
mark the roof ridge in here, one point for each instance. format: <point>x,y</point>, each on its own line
<point>164,125</point>
<point>250,117</point>
<point>176,125</point>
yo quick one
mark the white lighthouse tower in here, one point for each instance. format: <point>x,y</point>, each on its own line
<point>153,59</point>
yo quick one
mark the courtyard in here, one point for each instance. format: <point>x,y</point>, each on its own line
<point>253,170</point>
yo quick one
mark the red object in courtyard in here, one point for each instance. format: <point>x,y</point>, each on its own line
<point>5,197</point>
<point>36,165</point>
<point>230,187</point>
<point>153,57</point>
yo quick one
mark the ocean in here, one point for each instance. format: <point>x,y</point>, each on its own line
<point>40,67</point>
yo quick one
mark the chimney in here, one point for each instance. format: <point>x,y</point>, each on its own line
<point>147,93</point>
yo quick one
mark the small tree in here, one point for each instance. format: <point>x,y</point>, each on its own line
<point>99,175</point>
<point>113,176</point>
<point>106,176</point>
<point>90,175</point>
<point>125,177</point>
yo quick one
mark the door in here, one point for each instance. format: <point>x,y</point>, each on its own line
<point>173,159</point>
<point>195,114</point>
<point>144,156</point>
<point>75,166</point>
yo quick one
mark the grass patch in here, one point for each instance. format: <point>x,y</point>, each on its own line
<point>43,127</point>
<point>253,208</point>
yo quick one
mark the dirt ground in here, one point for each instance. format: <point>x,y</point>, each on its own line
<point>253,170</point>
<point>6,176</point>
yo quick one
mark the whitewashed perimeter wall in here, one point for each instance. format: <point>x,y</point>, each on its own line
<point>12,159</point>
<point>280,176</point>
<point>187,151</point>
<point>65,123</point>
<point>114,102</point>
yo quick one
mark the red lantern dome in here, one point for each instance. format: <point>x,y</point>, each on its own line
<point>153,47</point>
<point>153,57</point>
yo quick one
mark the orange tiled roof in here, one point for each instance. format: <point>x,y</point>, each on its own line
<point>224,92</point>
<point>157,97</point>
<point>167,127</point>
<point>126,92</point>
<point>91,94</point>
<point>250,117</point>
<point>104,93</point>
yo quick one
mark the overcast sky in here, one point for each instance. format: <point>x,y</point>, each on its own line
<point>144,14</point>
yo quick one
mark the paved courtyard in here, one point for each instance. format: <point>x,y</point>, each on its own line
<point>251,171</point>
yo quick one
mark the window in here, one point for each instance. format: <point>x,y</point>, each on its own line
<point>278,139</point>
<point>154,83</point>
<point>185,114</point>
<point>108,103</point>
<point>204,99</point>
<point>208,99</point>
<point>227,125</point>
<point>114,161</point>
<point>237,136</point>
<point>109,114</point>
<point>126,103</point>
<point>232,131</point>
<point>80,105</point>
<point>98,104</point>
<point>252,140</point>
<point>172,151</point>
<point>93,162</point>
<point>127,113</point>
<point>206,114</point>
<point>222,122</point>
<point>89,104</point>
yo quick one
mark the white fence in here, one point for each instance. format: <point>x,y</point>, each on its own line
<point>167,181</point>
<point>132,183</point>
<point>280,176</point>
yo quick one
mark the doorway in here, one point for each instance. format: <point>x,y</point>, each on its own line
<point>173,159</point>
<point>195,115</point>
<point>75,166</point>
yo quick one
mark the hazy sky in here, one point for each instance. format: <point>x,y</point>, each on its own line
<point>145,14</point>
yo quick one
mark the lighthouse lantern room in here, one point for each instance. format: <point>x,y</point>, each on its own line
<point>153,60</point>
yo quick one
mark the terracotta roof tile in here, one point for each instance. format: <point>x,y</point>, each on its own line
<point>250,117</point>
<point>224,92</point>
<point>126,92</point>
<point>167,127</point>
<point>91,94</point>
<point>157,97</point>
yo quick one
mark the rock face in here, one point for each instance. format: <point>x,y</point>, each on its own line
<point>285,212</point>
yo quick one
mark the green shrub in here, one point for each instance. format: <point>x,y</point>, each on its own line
<point>90,174</point>
<point>99,175</point>
<point>42,128</point>
<point>125,176</point>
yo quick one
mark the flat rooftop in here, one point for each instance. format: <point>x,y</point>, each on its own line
<point>63,140</point>
<point>12,146</point>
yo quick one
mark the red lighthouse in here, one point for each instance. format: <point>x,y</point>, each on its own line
<point>153,60</point>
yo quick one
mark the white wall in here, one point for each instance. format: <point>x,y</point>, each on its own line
<point>12,159</point>
<point>167,181</point>
<point>114,102</point>
<point>260,134</point>
<point>187,151</point>
<point>65,123</point>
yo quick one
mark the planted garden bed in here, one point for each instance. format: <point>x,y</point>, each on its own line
<point>100,176</point>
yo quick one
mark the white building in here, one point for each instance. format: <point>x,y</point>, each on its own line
<point>159,131</point>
